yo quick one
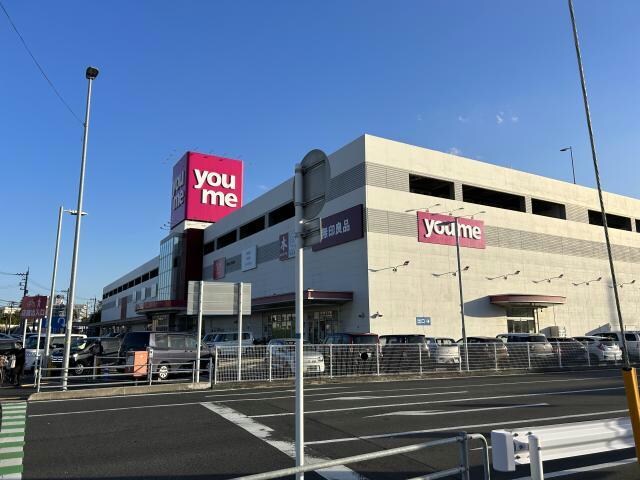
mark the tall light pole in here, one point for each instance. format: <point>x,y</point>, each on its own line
<point>573,168</point>
<point>594,155</point>
<point>91,75</point>
<point>61,211</point>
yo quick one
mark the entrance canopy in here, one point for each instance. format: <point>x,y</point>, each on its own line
<point>526,300</point>
<point>311,297</point>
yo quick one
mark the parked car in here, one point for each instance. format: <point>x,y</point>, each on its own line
<point>601,349</point>
<point>569,350</point>
<point>84,351</point>
<point>229,339</point>
<point>34,348</point>
<point>632,340</point>
<point>283,356</point>
<point>538,346</point>
<point>168,351</point>
<point>484,352</point>
<point>355,352</point>
<point>415,349</point>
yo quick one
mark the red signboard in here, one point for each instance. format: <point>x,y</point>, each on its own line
<point>205,188</point>
<point>440,229</point>
<point>34,307</point>
<point>219,268</point>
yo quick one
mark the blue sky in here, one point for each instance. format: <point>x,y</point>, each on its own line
<point>268,81</point>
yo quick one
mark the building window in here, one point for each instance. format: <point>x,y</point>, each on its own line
<point>209,247</point>
<point>638,226</point>
<point>492,198</point>
<point>431,186</point>
<point>613,221</point>
<point>281,214</point>
<point>226,239</point>
<point>548,209</point>
<point>252,227</point>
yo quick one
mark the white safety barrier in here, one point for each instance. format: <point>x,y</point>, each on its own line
<point>534,445</point>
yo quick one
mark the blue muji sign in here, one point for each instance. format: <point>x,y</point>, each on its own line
<point>423,321</point>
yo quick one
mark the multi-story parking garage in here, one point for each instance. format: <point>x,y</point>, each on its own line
<point>533,255</point>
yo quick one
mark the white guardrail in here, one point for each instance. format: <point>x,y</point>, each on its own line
<point>535,445</point>
<point>463,468</point>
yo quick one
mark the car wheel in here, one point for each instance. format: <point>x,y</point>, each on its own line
<point>163,372</point>
<point>78,369</point>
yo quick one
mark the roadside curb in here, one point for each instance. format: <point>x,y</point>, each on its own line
<point>119,391</point>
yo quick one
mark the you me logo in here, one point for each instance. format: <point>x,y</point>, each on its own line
<point>205,188</point>
<point>435,228</point>
<point>215,179</point>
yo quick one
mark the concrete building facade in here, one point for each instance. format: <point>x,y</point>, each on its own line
<point>540,262</point>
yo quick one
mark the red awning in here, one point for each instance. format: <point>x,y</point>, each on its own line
<point>526,300</point>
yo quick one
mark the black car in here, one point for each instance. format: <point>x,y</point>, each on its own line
<point>87,352</point>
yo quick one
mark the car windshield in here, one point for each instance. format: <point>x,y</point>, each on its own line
<point>365,339</point>
<point>32,342</point>
<point>79,343</point>
<point>537,338</point>
<point>444,341</point>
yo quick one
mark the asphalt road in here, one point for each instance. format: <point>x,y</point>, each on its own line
<point>232,432</point>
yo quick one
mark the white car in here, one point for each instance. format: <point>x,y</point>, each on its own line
<point>282,352</point>
<point>601,349</point>
<point>33,348</point>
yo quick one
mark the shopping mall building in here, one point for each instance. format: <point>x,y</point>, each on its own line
<point>533,253</point>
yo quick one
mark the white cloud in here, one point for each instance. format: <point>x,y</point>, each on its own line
<point>499,118</point>
<point>463,119</point>
<point>264,188</point>
<point>515,118</point>
<point>419,117</point>
<point>455,151</point>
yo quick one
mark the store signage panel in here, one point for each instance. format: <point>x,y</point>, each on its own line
<point>341,227</point>
<point>423,321</point>
<point>219,268</point>
<point>287,243</point>
<point>205,188</point>
<point>435,228</point>
<point>249,258</point>
<point>33,306</point>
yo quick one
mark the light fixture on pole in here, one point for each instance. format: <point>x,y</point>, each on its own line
<point>426,209</point>
<point>587,282</point>
<point>90,75</point>
<point>548,280</point>
<point>573,168</point>
<point>395,269</point>
<point>621,285</point>
<point>505,276</point>
<point>453,273</point>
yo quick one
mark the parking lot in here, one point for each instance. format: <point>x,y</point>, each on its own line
<point>228,432</point>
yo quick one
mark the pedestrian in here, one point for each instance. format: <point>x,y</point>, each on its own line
<point>11,365</point>
<point>19,365</point>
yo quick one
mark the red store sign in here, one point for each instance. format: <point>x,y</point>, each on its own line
<point>435,228</point>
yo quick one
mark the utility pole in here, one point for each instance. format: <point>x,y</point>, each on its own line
<point>24,284</point>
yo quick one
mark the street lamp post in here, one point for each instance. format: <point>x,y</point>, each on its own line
<point>464,328</point>
<point>91,75</point>
<point>573,168</point>
<point>61,211</point>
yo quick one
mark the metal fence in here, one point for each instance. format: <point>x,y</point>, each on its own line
<point>463,469</point>
<point>277,362</point>
<point>123,371</point>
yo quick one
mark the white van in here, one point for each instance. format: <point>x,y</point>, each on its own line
<point>30,350</point>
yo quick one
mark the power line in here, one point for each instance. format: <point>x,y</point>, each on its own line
<point>55,90</point>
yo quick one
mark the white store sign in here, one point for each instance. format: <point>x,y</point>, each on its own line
<point>249,258</point>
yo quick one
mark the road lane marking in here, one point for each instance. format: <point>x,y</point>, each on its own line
<point>588,468</point>
<point>458,428</point>
<point>423,413</point>
<point>380,397</point>
<point>265,433</point>
<point>453,400</point>
<point>12,439</point>
<point>281,397</point>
